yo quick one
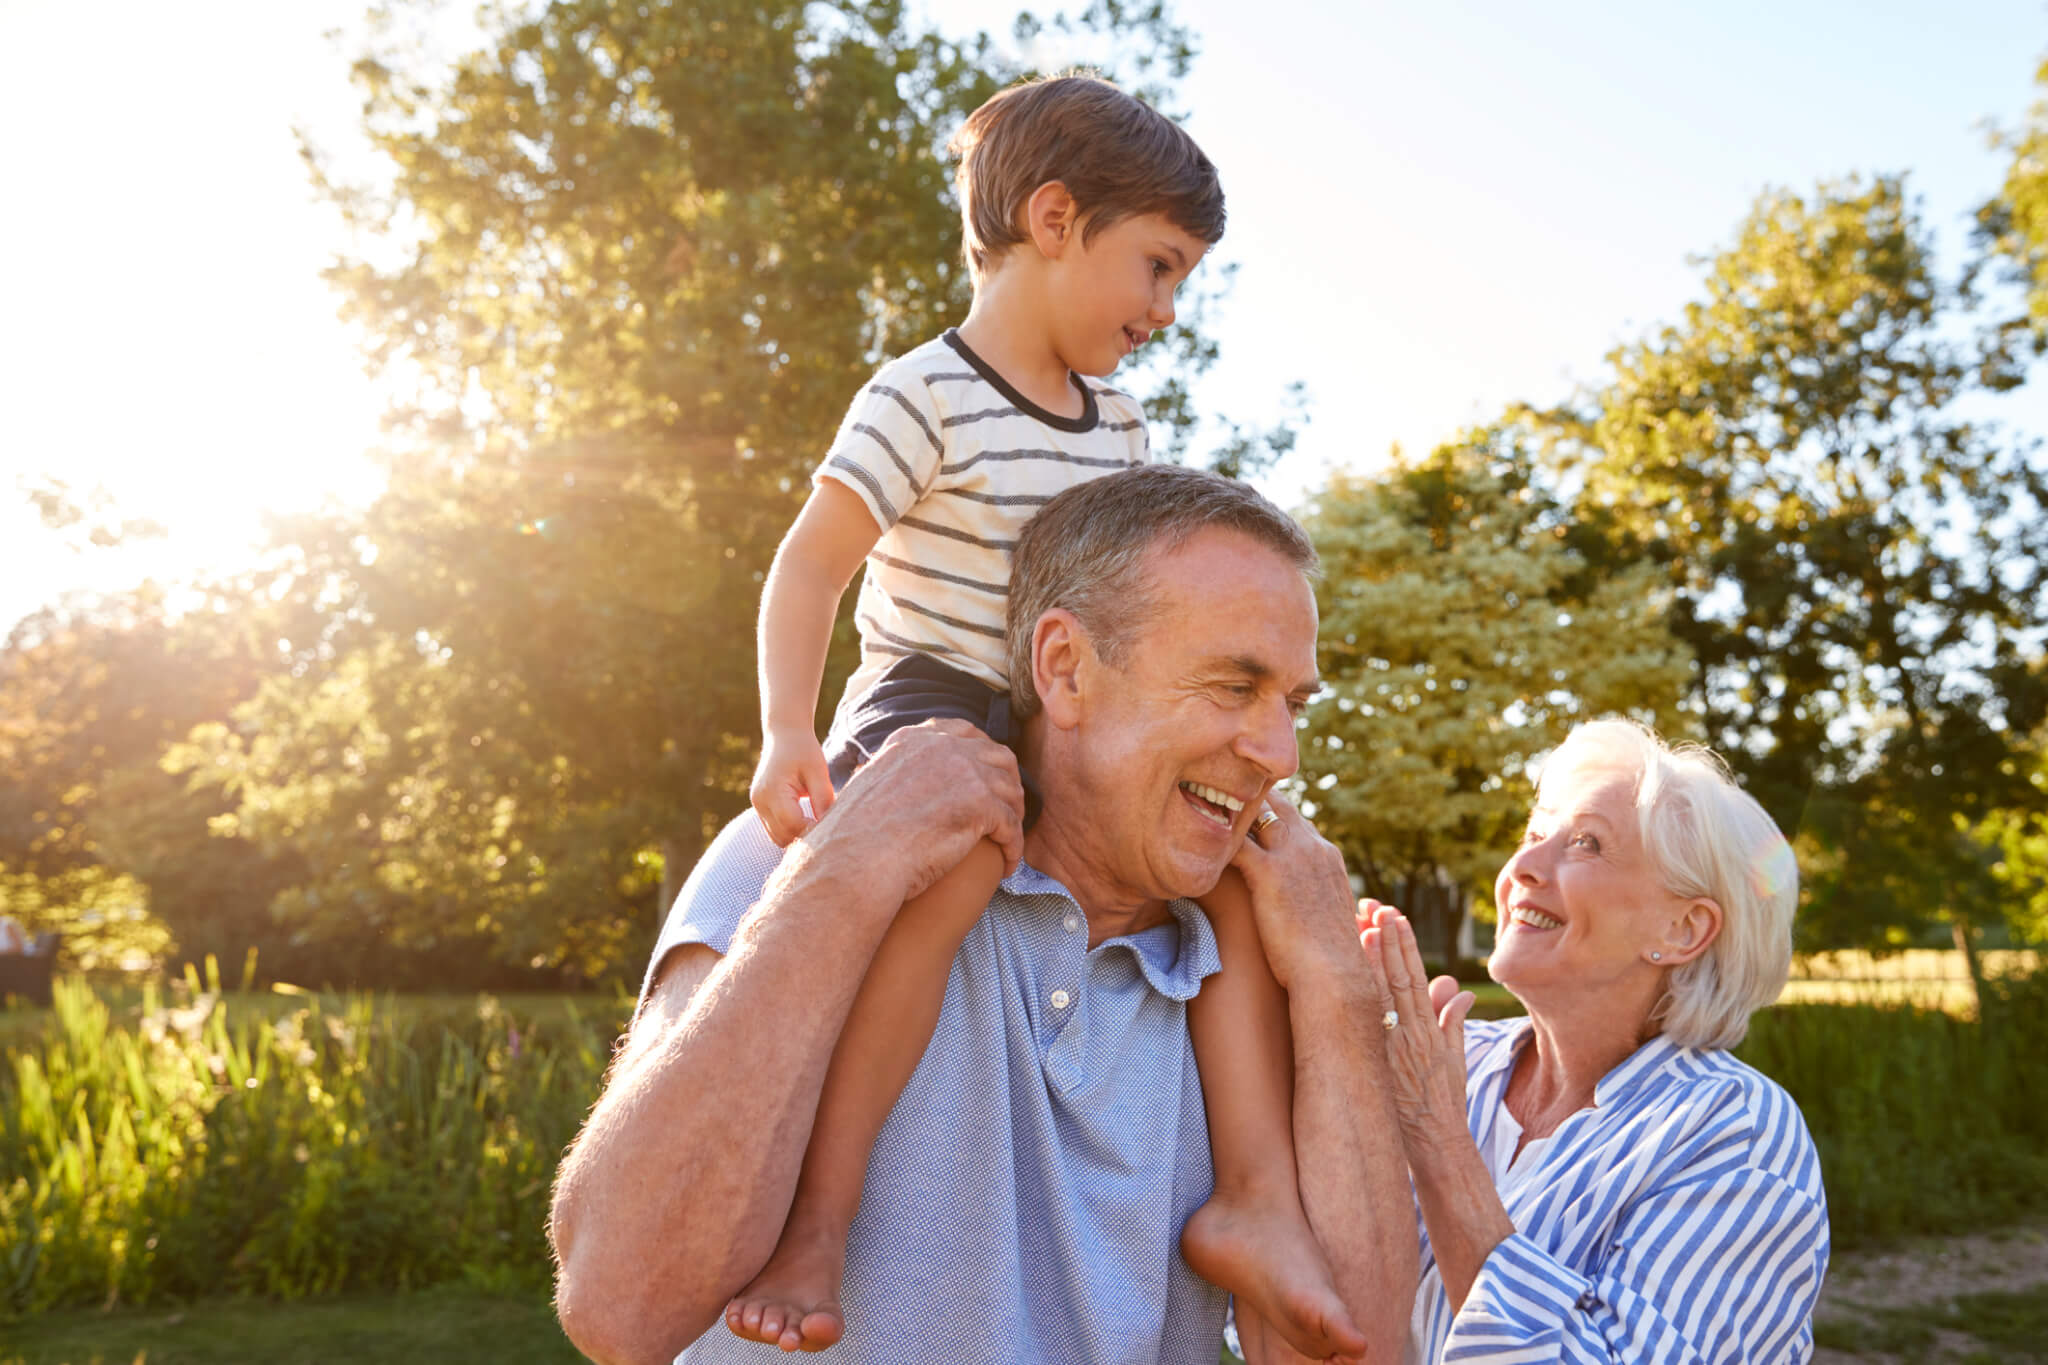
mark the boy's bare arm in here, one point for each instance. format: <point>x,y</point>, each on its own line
<point>675,1191</point>
<point>813,565</point>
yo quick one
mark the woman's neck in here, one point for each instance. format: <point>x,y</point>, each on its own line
<point>1558,1071</point>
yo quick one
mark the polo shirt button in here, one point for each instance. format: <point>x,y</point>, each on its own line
<point>1060,1000</point>
<point>1072,924</point>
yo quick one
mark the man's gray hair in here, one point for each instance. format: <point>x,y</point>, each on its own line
<point>1086,552</point>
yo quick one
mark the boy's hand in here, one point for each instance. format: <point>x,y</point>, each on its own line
<point>792,767</point>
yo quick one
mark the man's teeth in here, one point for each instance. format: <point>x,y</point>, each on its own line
<point>1214,798</point>
<point>1535,919</point>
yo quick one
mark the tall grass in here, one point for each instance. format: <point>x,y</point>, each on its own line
<point>1926,1123</point>
<point>209,1143</point>
<point>204,1149</point>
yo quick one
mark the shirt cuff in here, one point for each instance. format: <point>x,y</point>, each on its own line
<point>1521,1297</point>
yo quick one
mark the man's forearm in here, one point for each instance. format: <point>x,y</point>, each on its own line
<point>674,1193</point>
<point>1354,1182</point>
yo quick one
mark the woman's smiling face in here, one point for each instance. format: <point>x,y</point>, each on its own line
<point>1581,906</point>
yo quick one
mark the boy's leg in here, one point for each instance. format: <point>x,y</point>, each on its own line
<point>794,1301</point>
<point>1252,1237</point>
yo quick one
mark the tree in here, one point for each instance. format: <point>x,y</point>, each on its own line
<point>90,694</point>
<point>1857,566</point>
<point>1467,623</point>
<point>636,260</point>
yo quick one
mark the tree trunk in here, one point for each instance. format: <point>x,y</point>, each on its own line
<point>1965,935</point>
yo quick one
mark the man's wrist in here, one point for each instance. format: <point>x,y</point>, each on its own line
<point>832,862</point>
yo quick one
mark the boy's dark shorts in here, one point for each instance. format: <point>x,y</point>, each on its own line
<point>918,688</point>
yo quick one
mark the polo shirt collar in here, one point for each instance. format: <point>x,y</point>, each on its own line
<point>1174,957</point>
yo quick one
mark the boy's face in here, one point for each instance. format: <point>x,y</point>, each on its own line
<point>1114,291</point>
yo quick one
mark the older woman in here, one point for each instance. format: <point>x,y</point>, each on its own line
<point>1602,1181</point>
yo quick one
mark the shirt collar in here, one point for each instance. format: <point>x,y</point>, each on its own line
<point>1174,957</point>
<point>1644,1062</point>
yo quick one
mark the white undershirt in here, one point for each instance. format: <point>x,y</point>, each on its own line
<point>1510,1171</point>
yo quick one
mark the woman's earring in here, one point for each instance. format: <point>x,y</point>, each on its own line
<point>1656,957</point>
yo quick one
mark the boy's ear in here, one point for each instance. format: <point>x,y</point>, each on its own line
<point>1050,218</point>
<point>1060,658</point>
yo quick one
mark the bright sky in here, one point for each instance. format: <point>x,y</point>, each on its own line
<point>1436,209</point>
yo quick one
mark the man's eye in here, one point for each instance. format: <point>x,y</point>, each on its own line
<point>1531,835</point>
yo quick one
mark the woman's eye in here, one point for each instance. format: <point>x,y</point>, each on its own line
<point>1587,842</point>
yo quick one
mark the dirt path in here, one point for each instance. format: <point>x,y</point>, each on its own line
<point>1901,1304</point>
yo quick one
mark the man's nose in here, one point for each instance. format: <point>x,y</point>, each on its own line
<point>1269,740</point>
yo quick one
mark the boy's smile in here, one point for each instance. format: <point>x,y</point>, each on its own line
<point>1115,290</point>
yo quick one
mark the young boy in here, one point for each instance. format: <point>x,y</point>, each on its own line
<point>1083,210</point>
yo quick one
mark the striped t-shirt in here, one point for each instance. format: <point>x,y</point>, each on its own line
<point>1679,1221</point>
<point>952,461</point>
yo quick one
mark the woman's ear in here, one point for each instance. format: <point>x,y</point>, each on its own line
<point>1051,220</point>
<point>1691,932</point>
<point>1060,657</point>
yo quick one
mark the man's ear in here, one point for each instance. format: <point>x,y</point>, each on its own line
<point>1691,932</point>
<point>1060,659</point>
<point>1050,218</point>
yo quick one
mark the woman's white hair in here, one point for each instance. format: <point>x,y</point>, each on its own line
<point>1706,837</point>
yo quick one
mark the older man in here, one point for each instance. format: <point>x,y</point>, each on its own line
<point>1027,1193</point>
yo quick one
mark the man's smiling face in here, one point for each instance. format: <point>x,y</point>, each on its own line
<point>1179,746</point>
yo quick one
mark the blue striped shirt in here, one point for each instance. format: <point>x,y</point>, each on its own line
<point>1679,1220</point>
<point>1025,1198</point>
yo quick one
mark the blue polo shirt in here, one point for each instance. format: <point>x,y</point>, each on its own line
<point>1026,1195</point>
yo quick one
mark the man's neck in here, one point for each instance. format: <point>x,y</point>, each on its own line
<point>1065,855</point>
<point>1006,328</point>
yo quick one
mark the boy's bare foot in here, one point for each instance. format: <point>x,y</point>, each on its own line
<point>1271,1261</point>
<point>794,1302</point>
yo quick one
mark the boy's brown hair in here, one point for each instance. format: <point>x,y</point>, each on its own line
<point>1117,156</point>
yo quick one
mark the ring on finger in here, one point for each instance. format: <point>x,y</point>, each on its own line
<point>1389,1020</point>
<point>1265,821</point>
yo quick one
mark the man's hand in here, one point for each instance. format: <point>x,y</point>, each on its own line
<point>1301,900</point>
<point>921,804</point>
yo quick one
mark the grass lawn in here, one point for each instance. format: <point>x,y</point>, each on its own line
<point>443,1325</point>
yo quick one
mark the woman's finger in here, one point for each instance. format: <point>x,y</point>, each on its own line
<point>1453,1024</point>
<point>1413,977</point>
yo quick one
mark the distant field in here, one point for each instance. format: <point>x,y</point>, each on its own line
<point>1928,977</point>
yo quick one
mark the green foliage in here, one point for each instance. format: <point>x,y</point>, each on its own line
<point>104,918</point>
<point>1857,566</point>
<point>90,695</point>
<point>1925,1122</point>
<point>449,1326</point>
<point>206,1148</point>
<point>637,261</point>
<point>2012,226</point>
<point>1465,629</point>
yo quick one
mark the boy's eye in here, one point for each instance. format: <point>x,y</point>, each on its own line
<point>1159,267</point>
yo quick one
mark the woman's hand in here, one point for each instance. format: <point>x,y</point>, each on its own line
<point>1426,1045</point>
